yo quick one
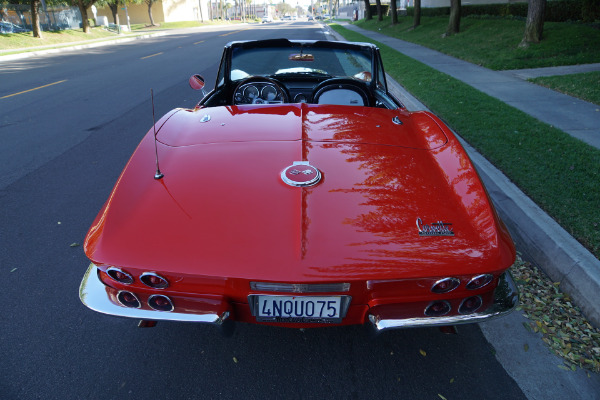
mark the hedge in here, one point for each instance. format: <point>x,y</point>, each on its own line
<point>556,11</point>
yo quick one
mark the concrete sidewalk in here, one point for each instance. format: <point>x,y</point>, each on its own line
<point>536,234</point>
<point>576,117</point>
<point>552,71</point>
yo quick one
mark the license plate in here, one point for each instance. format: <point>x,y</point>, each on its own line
<point>304,309</point>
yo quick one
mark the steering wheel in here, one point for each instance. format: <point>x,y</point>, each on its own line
<point>260,90</point>
<point>343,85</point>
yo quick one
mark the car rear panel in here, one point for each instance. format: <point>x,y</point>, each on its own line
<point>222,217</point>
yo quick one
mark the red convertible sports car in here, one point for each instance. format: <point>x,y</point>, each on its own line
<point>300,193</point>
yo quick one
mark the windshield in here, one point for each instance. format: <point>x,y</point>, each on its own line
<point>305,60</point>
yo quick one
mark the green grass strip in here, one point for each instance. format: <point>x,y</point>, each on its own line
<point>558,172</point>
<point>493,42</point>
<point>586,86</point>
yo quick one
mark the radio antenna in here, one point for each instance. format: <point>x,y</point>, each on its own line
<point>158,174</point>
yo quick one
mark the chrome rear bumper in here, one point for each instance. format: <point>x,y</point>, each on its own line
<point>92,293</point>
<point>506,298</point>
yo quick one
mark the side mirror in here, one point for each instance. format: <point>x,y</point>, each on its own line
<point>196,82</point>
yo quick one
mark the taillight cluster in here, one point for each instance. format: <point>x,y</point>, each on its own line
<point>157,302</point>
<point>149,279</point>
<point>446,285</point>
<point>468,305</point>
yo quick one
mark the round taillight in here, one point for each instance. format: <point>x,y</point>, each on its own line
<point>159,302</point>
<point>479,281</point>
<point>445,285</point>
<point>153,280</point>
<point>438,308</point>
<point>119,275</point>
<point>128,299</point>
<point>470,305</point>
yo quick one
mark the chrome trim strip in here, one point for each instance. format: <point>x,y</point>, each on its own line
<point>93,295</point>
<point>299,287</point>
<point>506,298</point>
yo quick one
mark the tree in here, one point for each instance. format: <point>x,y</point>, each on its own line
<point>35,19</point>
<point>394,10</point>
<point>84,6</point>
<point>368,15</point>
<point>534,27</point>
<point>114,9</point>
<point>590,10</point>
<point>417,16</point>
<point>454,22</point>
<point>150,3</point>
<point>379,13</point>
<point>284,8</point>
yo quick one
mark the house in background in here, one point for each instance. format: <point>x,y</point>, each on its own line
<point>162,11</point>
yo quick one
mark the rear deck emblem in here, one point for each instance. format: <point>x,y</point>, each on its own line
<point>438,228</point>
<point>301,174</point>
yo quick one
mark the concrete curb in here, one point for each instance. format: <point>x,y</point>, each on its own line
<point>103,42</point>
<point>55,50</point>
<point>539,238</point>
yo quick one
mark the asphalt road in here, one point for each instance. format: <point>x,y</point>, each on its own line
<point>63,147</point>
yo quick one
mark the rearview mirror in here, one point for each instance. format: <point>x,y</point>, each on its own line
<point>197,82</point>
<point>301,57</point>
<point>364,76</point>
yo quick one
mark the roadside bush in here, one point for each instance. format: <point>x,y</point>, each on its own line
<point>384,9</point>
<point>556,11</point>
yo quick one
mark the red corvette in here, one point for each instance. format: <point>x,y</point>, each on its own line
<point>300,193</point>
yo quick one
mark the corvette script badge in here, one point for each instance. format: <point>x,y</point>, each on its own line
<point>301,174</point>
<point>438,228</point>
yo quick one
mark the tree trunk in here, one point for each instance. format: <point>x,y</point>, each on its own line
<point>35,19</point>
<point>393,9</point>
<point>454,22</point>
<point>417,16</point>
<point>534,27</point>
<point>114,9</point>
<point>379,13</point>
<point>150,12</point>
<point>85,23</point>
<point>368,15</point>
